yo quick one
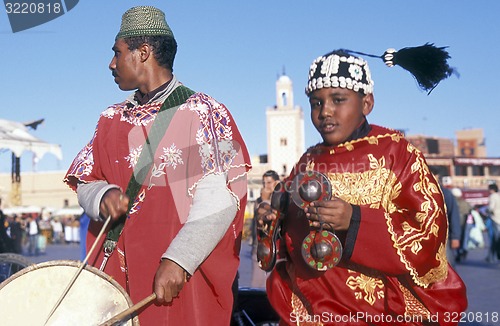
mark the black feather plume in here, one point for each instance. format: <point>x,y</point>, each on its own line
<point>427,63</point>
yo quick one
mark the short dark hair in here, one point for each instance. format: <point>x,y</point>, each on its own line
<point>493,187</point>
<point>271,173</point>
<point>164,48</point>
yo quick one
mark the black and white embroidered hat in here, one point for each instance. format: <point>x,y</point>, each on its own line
<point>340,69</point>
<point>343,68</point>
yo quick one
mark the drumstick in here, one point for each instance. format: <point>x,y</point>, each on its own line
<point>82,265</point>
<point>128,313</point>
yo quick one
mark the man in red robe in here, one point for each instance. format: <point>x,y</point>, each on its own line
<point>386,210</point>
<point>169,166</point>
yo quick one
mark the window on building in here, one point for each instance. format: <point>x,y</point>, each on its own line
<point>432,146</point>
<point>284,98</point>
<point>478,170</point>
<point>494,170</point>
<point>283,142</point>
<point>460,170</point>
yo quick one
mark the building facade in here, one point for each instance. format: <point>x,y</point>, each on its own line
<point>43,189</point>
<point>463,165</point>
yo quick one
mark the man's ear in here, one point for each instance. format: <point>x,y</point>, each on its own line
<point>368,103</point>
<point>145,51</point>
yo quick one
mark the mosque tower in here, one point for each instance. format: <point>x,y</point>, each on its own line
<point>285,129</point>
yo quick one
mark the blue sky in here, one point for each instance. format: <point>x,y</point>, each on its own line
<point>235,50</point>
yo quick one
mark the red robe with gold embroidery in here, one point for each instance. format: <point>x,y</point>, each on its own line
<point>394,268</point>
<point>202,139</point>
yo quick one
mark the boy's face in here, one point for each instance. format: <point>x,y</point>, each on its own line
<point>337,112</point>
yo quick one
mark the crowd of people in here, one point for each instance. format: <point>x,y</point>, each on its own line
<point>29,233</point>
<point>479,226</point>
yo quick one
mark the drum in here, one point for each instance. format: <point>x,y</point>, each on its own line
<point>27,297</point>
<point>11,263</point>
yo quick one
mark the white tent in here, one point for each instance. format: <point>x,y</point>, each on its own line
<point>15,137</point>
<point>68,211</point>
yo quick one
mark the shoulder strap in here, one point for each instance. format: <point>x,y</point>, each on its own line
<point>145,161</point>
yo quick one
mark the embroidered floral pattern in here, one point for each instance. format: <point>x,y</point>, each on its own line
<point>136,206</point>
<point>121,258</point>
<point>365,288</point>
<point>214,135</point>
<point>133,156</point>
<point>376,187</point>
<point>172,156</point>
<point>84,161</point>
<point>140,115</point>
<point>300,312</point>
<point>413,307</point>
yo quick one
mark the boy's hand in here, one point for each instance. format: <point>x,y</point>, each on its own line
<point>336,212</point>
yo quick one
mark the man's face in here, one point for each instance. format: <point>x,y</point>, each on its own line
<point>124,66</point>
<point>269,183</point>
<point>338,112</point>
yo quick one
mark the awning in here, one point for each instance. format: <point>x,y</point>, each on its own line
<point>15,137</point>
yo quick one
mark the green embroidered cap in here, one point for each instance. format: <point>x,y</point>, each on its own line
<point>143,20</point>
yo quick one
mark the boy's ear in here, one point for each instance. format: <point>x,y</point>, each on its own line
<point>368,102</point>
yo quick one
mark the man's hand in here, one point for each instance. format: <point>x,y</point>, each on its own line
<point>169,281</point>
<point>265,215</point>
<point>114,203</point>
<point>265,212</point>
<point>336,212</point>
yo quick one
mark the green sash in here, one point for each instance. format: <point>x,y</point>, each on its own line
<point>145,161</point>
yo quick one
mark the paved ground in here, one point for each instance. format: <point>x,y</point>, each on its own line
<point>482,279</point>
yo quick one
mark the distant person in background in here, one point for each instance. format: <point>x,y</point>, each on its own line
<point>494,211</point>
<point>16,233</point>
<point>269,180</point>
<point>5,240</point>
<point>33,232</point>
<point>473,233</point>
<point>464,209</point>
<point>453,215</point>
<point>84,224</point>
<point>57,230</point>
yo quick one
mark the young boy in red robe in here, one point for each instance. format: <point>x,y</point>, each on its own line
<point>374,252</point>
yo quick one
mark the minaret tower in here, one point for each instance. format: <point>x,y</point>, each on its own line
<point>285,129</point>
